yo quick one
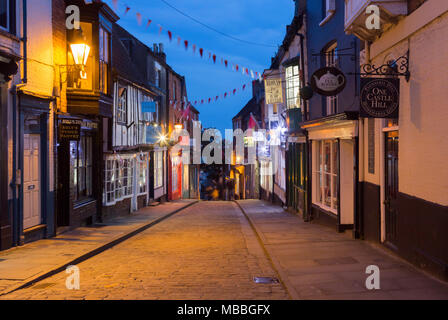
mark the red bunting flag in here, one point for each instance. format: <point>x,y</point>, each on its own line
<point>217,98</point>
<point>226,63</point>
<point>209,99</point>
<point>160,29</point>
<point>237,67</point>
<point>214,58</point>
<point>247,71</point>
<point>234,91</point>
<point>178,40</point>
<point>244,87</point>
<point>202,101</point>
<point>201,52</point>
<point>209,55</point>
<point>170,35</point>
<point>139,18</point>
<point>186,44</point>
<point>225,95</point>
<point>194,48</point>
<point>149,23</point>
<point>127,10</point>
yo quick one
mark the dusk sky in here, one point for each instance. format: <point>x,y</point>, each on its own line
<point>259,21</point>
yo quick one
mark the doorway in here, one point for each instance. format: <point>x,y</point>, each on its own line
<point>391,187</point>
<point>31,181</point>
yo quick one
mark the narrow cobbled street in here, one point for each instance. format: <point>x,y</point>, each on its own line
<point>210,251</point>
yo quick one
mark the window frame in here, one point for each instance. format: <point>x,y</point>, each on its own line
<point>322,190</point>
<point>122,112</point>
<point>293,100</point>
<point>87,166</point>
<point>104,59</point>
<point>332,60</point>
<point>158,169</point>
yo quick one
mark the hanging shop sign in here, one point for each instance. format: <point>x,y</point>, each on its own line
<point>328,81</point>
<point>273,90</point>
<point>380,97</point>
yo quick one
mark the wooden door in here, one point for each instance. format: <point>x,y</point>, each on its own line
<point>31,181</point>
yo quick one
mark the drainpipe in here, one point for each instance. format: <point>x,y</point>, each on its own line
<point>25,41</point>
<point>15,102</point>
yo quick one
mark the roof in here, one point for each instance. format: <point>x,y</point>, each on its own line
<point>250,107</point>
<point>291,32</point>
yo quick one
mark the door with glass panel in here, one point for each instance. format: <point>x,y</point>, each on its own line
<point>31,181</point>
<point>391,187</point>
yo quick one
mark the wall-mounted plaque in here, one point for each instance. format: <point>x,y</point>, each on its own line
<point>69,131</point>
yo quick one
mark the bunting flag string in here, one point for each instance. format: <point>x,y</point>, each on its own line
<point>181,104</point>
<point>211,56</point>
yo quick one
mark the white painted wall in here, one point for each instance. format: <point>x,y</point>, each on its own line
<point>423,146</point>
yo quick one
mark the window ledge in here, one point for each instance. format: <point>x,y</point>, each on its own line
<point>8,34</point>
<point>330,15</point>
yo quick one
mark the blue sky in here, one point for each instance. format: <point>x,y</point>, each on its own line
<point>261,21</point>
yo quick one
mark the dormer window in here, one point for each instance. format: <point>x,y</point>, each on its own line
<point>328,10</point>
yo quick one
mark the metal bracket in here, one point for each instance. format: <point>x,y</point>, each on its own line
<point>396,68</point>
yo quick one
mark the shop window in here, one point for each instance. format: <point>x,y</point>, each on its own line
<point>292,87</point>
<point>326,175</point>
<point>122,105</point>
<point>331,60</point>
<point>142,174</point>
<point>119,178</point>
<point>81,153</point>
<point>158,170</point>
<point>104,59</point>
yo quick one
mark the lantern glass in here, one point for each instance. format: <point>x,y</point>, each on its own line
<point>80,53</point>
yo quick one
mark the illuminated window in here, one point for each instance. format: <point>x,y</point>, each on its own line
<point>326,174</point>
<point>292,87</point>
<point>122,105</point>
<point>158,169</point>
<point>104,59</point>
<point>7,15</point>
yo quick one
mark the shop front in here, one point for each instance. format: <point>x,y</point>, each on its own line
<point>79,191</point>
<point>334,169</point>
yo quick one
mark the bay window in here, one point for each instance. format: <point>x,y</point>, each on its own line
<point>292,87</point>
<point>104,59</point>
<point>119,178</point>
<point>326,174</point>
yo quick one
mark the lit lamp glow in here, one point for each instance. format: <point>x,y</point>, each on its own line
<point>80,51</point>
<point>178,126</point>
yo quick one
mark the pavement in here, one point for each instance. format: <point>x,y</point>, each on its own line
<point>23,265</point>
<point>212,250</point>
<point>315,262</point>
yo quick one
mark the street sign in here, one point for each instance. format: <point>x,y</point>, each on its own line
<point>273,91</point>
<point>380,97</point>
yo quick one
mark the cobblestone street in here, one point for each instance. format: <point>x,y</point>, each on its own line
<point>210,251</point>
<point>207,251</point>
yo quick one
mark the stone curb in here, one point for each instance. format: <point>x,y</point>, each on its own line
<point>274,261</point>
<point>73,261</point>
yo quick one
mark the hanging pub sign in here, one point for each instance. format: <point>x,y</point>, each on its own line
<point>328,81</point>
<point>380,97</point>
<point>273,91</point>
